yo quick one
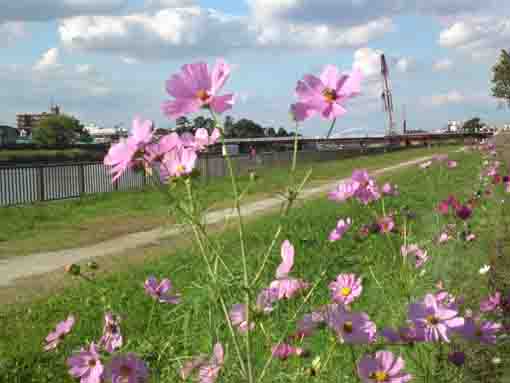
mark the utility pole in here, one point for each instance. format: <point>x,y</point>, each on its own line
<point>386,95</point>
<point>404,122</point>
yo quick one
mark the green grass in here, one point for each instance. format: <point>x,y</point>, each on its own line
<point>92,218</point>
<point>193,326</point>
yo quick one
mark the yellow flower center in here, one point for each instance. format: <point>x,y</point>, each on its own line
<point>379,376</point>
<point>180,168</point>
<point>92,363</point>
<point>345,291</point>
<point>347,327</point>
<point>202,95</point>
<point>329,94</point>
<point>432,320</point>
<point>478,331</point>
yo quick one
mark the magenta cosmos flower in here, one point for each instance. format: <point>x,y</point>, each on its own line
<point>111,339</point>
<point>386,224</point>
<point>434,321</point>
<point>344,191</point>
<point>125,154</point>
<point>127,369</point>
<point>238,314</point>
<point>265,300</point>
<point>310,322</point>
<point>383,367</point>
<point>406,334</point>
<point>86,365</point>
<point>325,95</point>
<point>491,303</point>
<point>341,227</point>
<point>61,330</point>
<point>355,328</point>
<point>161,291</point>
<point>208,371</point>
<point>195,87</point>
<point>367,190</point>
<point>478,331</point>
<point>284,351</point>
<point>345,289</point>
<point>287,287</point>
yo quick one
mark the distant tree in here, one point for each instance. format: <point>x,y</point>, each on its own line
<point>228,126</point>
<point>57,130</point>
<point>282,132</point>
<point>501,78</point>
<point>85,137</point>
<point>472,126</point>
<point>271,132</point>
<point>183,124</point>
<point>245,128</point>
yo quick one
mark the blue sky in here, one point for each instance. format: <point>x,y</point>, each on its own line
<point>106,61</point>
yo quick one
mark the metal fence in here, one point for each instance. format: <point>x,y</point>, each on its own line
<point>43,182</point>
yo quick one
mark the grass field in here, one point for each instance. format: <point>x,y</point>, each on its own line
<point>73,223</point>
<point>175,332</point>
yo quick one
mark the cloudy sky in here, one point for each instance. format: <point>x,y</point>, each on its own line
<point>106,61</point>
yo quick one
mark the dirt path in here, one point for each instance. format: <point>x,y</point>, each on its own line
<point>41,263</point>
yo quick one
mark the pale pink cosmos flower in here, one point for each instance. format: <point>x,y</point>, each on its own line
<point>346,288</point>
<point>452,164</point>
<point>325,95</point>
<point>265,300</point>
<point>284,351</point>
<point>111,339</point>
<point>287,287</point>
<point>161,290</point>
<point>389,189</point>
<point>61,330</point>
<point>341,227</point>
<point>178,162</point>
<point>367,190</point>
<point>420,255</point>
<point>155,151</point>
<point>355,328</point>
<point>127,153</point>
<point>480,331</point>
<point>208,371</point>
<point>86,365</point>
<point>195,87</point>
<point>443,237</point>
<point>344,191</point>
<point>383,367</point>
<point>470,237</point>
<point>434,321</point>
<point>238,315</point>
<point>203,139</point>
<point>386,224</point>
<point>127,369</point>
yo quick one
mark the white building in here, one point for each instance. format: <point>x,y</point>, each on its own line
<point>454,126</point>
<point>101,135</point>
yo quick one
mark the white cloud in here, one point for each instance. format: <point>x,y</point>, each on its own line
<point>162,4</point>
<point>368,60</point>
<point>478,37</point>
<point>442,65</point>
<point>42,10</point>
<point>129,60</point>
<point>48,61</point>
<point>457,97</point>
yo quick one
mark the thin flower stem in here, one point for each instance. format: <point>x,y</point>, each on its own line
<point>353,358</point>
<point>150,316</point>
<point>247,297</point>
<point>331,128</point>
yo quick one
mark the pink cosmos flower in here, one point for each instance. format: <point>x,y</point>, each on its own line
<point>367,190</point>
<point>86,365</point>
<point>389,189</point>
<point>341,227</point>
<point>127,368</point>
<point>355,328</point>
<point>444,237</point>
<point>195,87</point>
<point>346,288</point>
<point>284,351</point>
<point>470,237</point>
<point>287,287</point>
<point>452,164</point>
<point>419,254</point>
<point>111,339</point>
<point>386,224</point>
<point>237,315</point>
<point>443,207</point>
<point>403,335</point>
<point>160,291</point>
<point>478,331</point>
<point>125,154</point>
<point>383,367</point>
<point>426,164</point>
<point>507,187</point>
<point>434,321</point>
<point>202,138</point>
<point>62,329</point>
<point>265,300</point>
<point>344,191</point>
<point>325,95</point>
<point>178,162</point>
<point>208,371</point>
<point>155,151</point>
<point>310,322</point>
<point>491,303</point>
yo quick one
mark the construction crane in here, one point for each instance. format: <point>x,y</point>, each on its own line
<point>387,96</point>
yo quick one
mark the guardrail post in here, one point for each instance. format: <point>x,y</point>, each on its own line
<point>40,179</point>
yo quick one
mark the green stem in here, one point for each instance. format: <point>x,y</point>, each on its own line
<point>150,316</point>
<point>331,128</point>
<point>353,358</point>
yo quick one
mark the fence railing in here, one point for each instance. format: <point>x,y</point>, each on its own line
<point>21,184</point>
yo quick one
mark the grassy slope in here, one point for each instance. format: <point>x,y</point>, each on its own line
<point>187,329</point>
<point>73,223</point>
